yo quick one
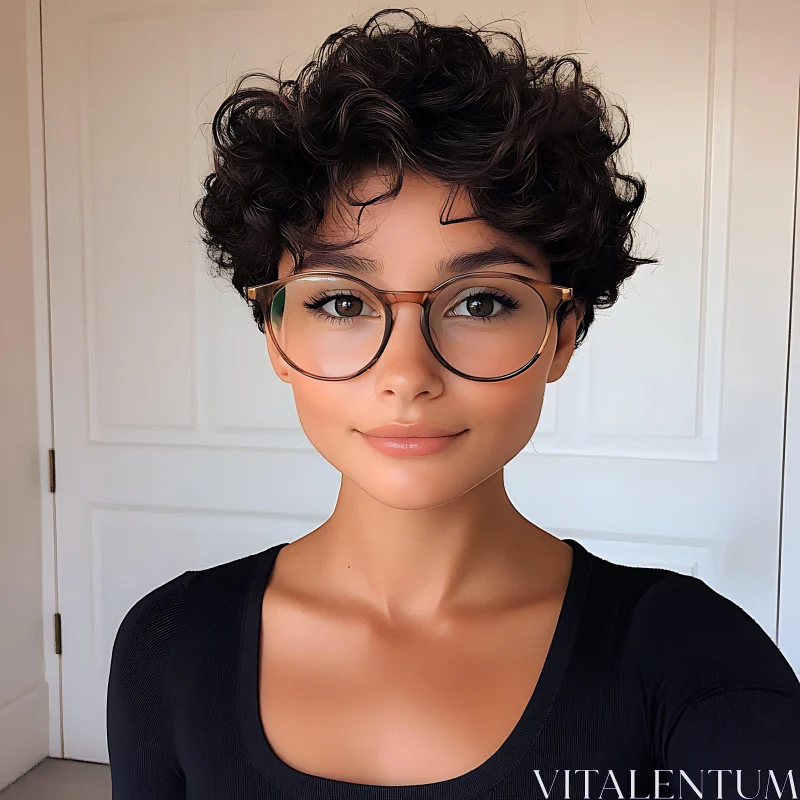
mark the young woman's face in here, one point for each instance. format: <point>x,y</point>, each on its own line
<point>408,384</point>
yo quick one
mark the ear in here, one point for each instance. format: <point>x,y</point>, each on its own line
<point>565,345</point>
<point>282,369</point>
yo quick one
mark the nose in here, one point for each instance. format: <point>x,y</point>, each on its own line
<point>407,367</point>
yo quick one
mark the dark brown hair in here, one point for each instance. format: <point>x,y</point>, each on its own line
<point>530,140</point>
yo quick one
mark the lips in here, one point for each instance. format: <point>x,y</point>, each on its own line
<point>417,430</point>
<point>419,439</point>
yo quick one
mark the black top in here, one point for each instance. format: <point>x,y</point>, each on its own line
<point>648,669</point>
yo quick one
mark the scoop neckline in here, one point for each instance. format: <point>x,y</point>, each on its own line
<point>461,787</point>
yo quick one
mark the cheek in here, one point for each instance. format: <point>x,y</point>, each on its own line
<point>319,408</point>
<point>511,407</point>
<point>327,410</point>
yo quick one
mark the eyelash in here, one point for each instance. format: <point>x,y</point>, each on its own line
<point>509,303</point>
<point>323,298</point>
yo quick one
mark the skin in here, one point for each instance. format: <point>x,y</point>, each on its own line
<point>402,639</point>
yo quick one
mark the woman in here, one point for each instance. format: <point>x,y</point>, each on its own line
<point>424,225</point>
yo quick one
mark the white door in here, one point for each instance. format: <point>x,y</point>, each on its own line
<point>176,448</point>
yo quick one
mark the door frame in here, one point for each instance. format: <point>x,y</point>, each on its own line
<point>789,572</point>
<point>44,397</point>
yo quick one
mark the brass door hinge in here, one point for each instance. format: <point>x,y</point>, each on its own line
<point>58,633</point>
<point>52,456</point>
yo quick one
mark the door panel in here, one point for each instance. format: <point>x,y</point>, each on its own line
<point>178,448</point>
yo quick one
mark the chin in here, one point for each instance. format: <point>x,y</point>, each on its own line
<point>415,487</point>
<point>414,497</point>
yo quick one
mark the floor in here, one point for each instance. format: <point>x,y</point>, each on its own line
<point>61,779</point>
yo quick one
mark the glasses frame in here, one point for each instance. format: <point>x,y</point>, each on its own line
<point>553,297</point>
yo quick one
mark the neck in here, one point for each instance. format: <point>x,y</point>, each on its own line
<point>414,563</point>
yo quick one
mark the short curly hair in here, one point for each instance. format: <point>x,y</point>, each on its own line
<point>530,140</point>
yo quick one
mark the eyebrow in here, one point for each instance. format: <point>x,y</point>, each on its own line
<point>455,264</point>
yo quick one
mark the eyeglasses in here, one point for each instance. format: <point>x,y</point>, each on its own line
<point>483,326</point>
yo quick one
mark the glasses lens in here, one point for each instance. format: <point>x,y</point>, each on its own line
<point>328,326</point>
<point>488,327</point>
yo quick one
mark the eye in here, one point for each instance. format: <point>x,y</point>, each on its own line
<point>346,305</point>
<point>481,303</point>
<point>340,305</point>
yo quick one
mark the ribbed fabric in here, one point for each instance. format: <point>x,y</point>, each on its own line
<point>648,669</point>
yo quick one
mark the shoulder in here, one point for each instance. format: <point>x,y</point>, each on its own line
<point>156,614</point>
<point>714,685</point>
<point>152,626</point>
<point>679,638</point>
<point>146,635</point>
<point>681,634</point>
<point>711,683</point>
<point>691,641</point>
<point>137,694</point>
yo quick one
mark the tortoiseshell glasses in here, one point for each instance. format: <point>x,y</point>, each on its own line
<point>483,326</point>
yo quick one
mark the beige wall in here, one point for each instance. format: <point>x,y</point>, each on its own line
<point>23,717</point>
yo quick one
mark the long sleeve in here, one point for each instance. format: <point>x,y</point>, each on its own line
<point>721,695</point>
<point>143,762</point>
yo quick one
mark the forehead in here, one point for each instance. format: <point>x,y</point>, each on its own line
<point>407,231</point>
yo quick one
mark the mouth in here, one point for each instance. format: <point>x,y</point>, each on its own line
<point>403,446</point>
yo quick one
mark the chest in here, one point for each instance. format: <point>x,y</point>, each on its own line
<point>352,701</point>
